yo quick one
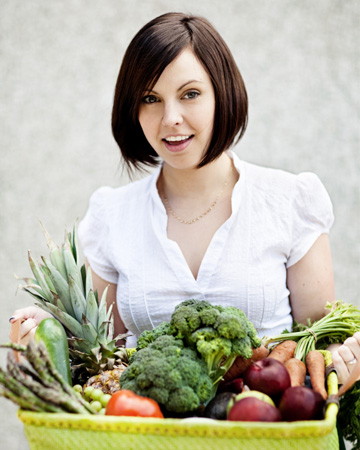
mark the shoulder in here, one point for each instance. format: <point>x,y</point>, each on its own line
<point>283,184</point>
<point>115,208</point>
<point>108,199</point>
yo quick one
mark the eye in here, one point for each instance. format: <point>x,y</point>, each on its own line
<point>149,99</point>
<point>191,94</point>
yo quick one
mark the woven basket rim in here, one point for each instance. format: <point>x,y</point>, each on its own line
<point>181,427</point>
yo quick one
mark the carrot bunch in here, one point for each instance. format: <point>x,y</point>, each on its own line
<point>285,352</point>
<point>341,321</point>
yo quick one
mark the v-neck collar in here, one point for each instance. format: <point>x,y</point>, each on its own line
<point>176,258</point>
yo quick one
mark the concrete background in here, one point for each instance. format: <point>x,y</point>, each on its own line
<point>59,62</point>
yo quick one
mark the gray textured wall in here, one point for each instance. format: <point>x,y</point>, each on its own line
<point>59,62</point>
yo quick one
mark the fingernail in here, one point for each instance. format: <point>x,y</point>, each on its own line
<point>11,318</point>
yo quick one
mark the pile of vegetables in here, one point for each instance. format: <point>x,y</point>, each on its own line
<point>203,360</point>
<point>341,322</point>
<point>180,363</point>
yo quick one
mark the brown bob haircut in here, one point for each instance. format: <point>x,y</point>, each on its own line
<point>152,49</point>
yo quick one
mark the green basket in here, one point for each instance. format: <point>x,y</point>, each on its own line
<point>87,432</point>
<point>78,432</point>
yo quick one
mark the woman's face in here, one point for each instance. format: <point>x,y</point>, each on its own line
<point>177,115</point>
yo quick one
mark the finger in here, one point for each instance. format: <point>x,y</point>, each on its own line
<point>346,353</point>
<point>354,346</point>
<point>24,313</point>
<point>28,337</point>
<point>340,366</point>
<point>14,334</point>
<point>357,336</point>
<point>26,327</point>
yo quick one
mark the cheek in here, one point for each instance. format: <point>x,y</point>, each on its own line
<point>204,116</point>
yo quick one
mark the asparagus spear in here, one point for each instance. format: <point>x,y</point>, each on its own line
<point>15,391</point>
<point>36,384</point>
<point>52,396</point>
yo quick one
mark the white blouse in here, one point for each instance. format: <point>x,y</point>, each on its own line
<point>276,218</point>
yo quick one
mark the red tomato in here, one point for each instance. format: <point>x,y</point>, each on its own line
<point>127,403</point>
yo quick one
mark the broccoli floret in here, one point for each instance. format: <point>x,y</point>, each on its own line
<point>183,400</point>
<point>205,389</point>
<point>198,305</point>
<point>185,320</point>
<point>209,316</point>
<point>230,326</point>
<point>243,347</point>
<point>170,374</point>
<point>148,336</point>
<point>213,348</point>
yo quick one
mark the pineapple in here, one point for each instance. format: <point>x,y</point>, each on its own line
<point>64,288</point>
<point>108,380</point>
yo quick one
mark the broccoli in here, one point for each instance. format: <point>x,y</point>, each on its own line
<point>219,333</point>
<point>169,373</point>
<point>215,334</point>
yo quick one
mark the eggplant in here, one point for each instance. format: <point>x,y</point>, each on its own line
<point>217,407</point>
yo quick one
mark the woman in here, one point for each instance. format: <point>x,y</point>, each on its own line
<point>204,225</point>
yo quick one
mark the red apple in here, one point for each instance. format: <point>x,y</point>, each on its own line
<point>268,376</point>
<point>244,394</point>
<point>301,403</point>
<point>251,409</point>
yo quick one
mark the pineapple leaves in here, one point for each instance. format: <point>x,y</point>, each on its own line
<point>92,312</point>
<point>61,286</point>
<point>64,288</point>
<point>38,274</point>
<point>102,309</point>
<point>56,256</point>
<point>89,331</point>
<point>72,268</point>
<point>87,279</point>
<point>78,300</point>
<point>69,322</point>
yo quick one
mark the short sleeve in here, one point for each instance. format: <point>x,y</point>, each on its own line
<point>94,235</point>
<point>311,214</point>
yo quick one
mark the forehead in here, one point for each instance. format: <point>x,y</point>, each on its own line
<point>185,67</point>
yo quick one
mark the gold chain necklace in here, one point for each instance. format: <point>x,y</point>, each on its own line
<point>196,219</point>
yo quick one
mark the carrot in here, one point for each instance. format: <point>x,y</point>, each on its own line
<point>283,351</point>
<point>297,371</point>
<point>241,364</point>
<point>315,364</point>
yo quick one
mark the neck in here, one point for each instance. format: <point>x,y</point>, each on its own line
<point>204,181</point>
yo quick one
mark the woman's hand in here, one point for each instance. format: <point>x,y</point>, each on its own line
<point>345,356</point>
<point>24,323</point>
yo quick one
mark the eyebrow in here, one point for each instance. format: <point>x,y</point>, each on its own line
<point>181,87</point>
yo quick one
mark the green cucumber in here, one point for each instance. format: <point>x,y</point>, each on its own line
<point>52,333</point>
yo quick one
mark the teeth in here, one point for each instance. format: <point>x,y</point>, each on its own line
<point>176,138</point>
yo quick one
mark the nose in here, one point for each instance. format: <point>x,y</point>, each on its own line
<point>172,114</point>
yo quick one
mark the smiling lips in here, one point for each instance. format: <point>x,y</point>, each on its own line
<point>177,143</point>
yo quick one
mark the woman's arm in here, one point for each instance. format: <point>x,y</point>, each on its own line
<point>311,282</point>
<point>311,285</point>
